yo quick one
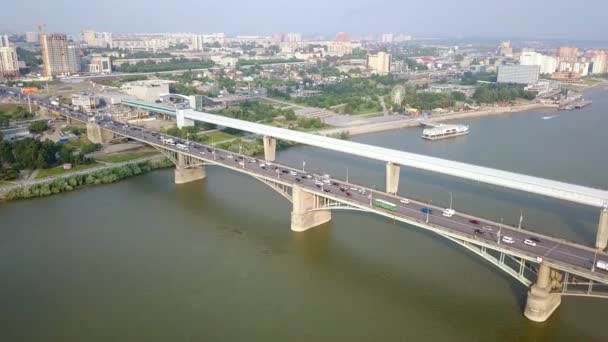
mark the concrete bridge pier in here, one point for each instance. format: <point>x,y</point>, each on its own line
<point>541,302</point>
<point>270,148</point>
<point>601,241</point>
<point>98,135</point>
<point>303,215</point>
<point>181,120</point>
<point>392,178</point>
<point>185,172</point>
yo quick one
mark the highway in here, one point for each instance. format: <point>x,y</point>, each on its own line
<point>557,253</point>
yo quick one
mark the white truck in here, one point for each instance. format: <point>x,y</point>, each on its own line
<point>55,103</point>
<point>168,141</point>
<point>182,147</point>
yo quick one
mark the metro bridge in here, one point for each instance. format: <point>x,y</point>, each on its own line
<point>550,267</point>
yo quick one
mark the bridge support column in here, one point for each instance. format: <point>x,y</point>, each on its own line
<point>392,178</point>
<point>601,241</point>
<point>303,217</point>
<point>270,148</point>
<point>185,173</point>
<point>541,302</point>
<point>98,135</point>
<point>181,119</point>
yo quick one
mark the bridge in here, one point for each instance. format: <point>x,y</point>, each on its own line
<point>549,266</point>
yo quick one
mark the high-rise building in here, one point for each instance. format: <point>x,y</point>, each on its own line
<point>32,37</point>
<point>568,54</point>
<point>518,74</point>
<point>380,63</point>
<point>339,49</point>
<point>548,64</point>
<point>387,38</point>
<point>97,39</point>
<point>3,40</point>
<point>59,56</point>
<point>198,40</point>
<point>293,37</point>
<point>342,37</point>
<point>600,63</point>
<point>100,65</point>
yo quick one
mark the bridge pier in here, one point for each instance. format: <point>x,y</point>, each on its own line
<point>541,302</point>
<point>181,119</point>
<point>392,178</point>
<point>98,135</point>
<point>185,172</point>
<point>303,215</point>
<point>601,241</point>
<point>270,148</point>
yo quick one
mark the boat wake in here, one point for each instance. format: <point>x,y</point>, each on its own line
<point>549,117</point>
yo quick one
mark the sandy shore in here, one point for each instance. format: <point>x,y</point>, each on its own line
<point>403,123</point>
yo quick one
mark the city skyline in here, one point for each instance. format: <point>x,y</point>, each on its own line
<point>471,18</point>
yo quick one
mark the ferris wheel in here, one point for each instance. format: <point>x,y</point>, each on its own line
<point>397,94</point>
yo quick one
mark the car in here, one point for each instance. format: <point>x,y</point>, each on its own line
<point>535,239</point>
<point>348,194</point>
<point>317,185</point>
<point>488,228</point>
<point>405,201</point>
<point>221,158</point>
<point>478,231</point>
<point>242,163</point>
<point>326,190</point>
<point>335,183</point>
<point>208,149</point>
<point>449,212</point>
<point>285,171</point>
<point>508,239</point>
<point>293,173</point>
<point>474,221</point>
<point>298,179</point>
<point>529,242</point>
<point>353,189</point>
<point>427,210</point>
<point>308,176</point>
<point>201,152</point>
<point>230,156</point>
<point>263,166</point>
<point>342,189</point>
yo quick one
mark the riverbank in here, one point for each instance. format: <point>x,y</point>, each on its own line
<point>408,122</point>
<point>94,176</point>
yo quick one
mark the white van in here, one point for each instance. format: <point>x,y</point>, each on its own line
<point>448,212</point>
<point>508,239</point>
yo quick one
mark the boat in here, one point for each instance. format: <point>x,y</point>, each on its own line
<point>549,117</point>
<point>444,131</point>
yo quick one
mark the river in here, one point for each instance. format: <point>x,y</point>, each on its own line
<point>146,260</point>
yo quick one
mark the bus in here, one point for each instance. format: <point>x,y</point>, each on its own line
<point>384,204</point>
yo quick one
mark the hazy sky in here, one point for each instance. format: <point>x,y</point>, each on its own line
<point>578,19</point>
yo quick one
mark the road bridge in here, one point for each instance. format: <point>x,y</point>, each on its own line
<point>549,266</point>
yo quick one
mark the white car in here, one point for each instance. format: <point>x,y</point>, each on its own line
<point>448,212</point>
<point>488,228</point>
<point>529,242</point>
<point>201,152</point>
<point>508,239</point>
<point>318,182</point>
<point>242,163</point>
<point>405,201</point>
<point>293,173</point>
<point>230,156</point>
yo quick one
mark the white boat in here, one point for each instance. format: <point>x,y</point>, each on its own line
<point>444,131</point>
<point>549,117</point>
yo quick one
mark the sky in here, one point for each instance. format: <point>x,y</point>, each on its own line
<point>537,19</point>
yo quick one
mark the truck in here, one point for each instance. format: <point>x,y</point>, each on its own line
<point>55,103</point>
<point>182,147</point>
<point>168,141</point>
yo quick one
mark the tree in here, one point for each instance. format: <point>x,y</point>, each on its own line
<point>38,126</point>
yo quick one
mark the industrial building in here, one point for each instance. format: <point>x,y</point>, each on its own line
<point>148,90</point>
<point>518,74</point>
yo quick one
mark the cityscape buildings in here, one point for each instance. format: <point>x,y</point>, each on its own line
<point>518,74</point>
<point>380,63</point>
<point>9,65</point>
<point>59,56</point>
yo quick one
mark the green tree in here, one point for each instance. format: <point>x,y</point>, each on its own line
<point>38,126</point>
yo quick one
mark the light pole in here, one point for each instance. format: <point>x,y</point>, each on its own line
<point>594,261</point>
<point>521,218</point>
<point>428,210</point>
<point>451,200</point>
<point>303,165</point>
<point>347,174</point>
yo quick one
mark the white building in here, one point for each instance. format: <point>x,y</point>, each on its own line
<point>32,37</point>
<point>548,64</point>
<point>339,48</point>
<point>600,63</point>
<point>380,63</point>
<point>518,74</point>
<point>148,90</point>
<point>97,39</point>
<point>198,40</point>
<point>3,40</point>
<point>9,65</point>
<point>100,65</point>
<point>387,38</point>
<point>293,37</point>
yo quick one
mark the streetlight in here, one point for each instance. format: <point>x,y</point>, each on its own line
<point>347,174</point>
<point>451,200</point>
<point>303,165</point>
<point>521,218</point>
<point>594,261</point>
<point>428,210</point>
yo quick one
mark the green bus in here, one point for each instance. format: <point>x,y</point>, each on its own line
<point>384,204</point>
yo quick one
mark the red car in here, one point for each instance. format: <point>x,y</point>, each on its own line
<point>474,221</point>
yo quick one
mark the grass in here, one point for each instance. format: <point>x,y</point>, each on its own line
<point>219,136</point>
<point>125,156</point>
<point>56,171</point>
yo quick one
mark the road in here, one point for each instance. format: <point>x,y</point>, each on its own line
<point>568,256</point>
